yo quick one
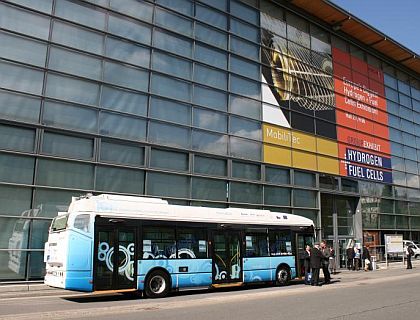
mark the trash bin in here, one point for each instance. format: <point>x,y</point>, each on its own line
<point>373,261</point>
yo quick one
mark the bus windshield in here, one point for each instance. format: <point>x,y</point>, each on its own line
<point>59,223</point>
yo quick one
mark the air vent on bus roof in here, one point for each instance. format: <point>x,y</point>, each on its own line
<point>133,199</point>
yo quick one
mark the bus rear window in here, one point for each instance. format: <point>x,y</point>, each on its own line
<point>59,223</point>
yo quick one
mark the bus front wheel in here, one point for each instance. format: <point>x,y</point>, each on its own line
<point>157,284</point>
<point>283,276</point>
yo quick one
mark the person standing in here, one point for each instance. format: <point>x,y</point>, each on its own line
<point>332,264</point>
<point>410,253</point>
<point>315,260</point>
<point>366,257</point>
<point>307,264</point>
<point>356,259</point>
<point>350,257</point>
<point>325,262</point>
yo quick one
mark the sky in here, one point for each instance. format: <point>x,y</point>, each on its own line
<point>398,19</point>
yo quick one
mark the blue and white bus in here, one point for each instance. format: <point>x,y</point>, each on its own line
<point>163,247</point>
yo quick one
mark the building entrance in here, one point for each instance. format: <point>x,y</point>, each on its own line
<point>338,224</point>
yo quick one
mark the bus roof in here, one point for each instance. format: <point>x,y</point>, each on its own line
<point>157,209</point>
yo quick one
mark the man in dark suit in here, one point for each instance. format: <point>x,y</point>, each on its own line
<point>350,257</point>
<point>325,262</point>
<point>315,260</point>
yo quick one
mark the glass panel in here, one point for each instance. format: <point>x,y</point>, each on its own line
<point>15,138</point>
<point>72,89</point>
<point>210,98</point>
<point>245,107</point>
<point>245,128</point>
<point>129,29</point>
<point>77,37</point>
<point>19,107</point>
<point>256,245</point>
<point>126,76</point>
<point>169,160</point>
<point>245,192</point>
<point>244,12</point>
<point>15,201</point>
<point>80,13</point>
<point>173,22</point>
<point>245,68</point>
<point>183,6</point>
<point>171,65</point>
<point>209,142</point>
<point>124,101</point>
<point>161,184</point>
<point>209,189</point>
<point>70,117</point>
<point>172,43</point>
<point>44,6</point>
<point>310,214</point>
<point>210,77</point>
<point>17,48</point>
<point>19,78</point>
<point>39,235</point>
<point>166,134</point>
<point>211,120</point>
<point>247,149</point>
<point>210,166</point>
<point>105,273</point>
<point>121,153</point>
<point>387,221</point>
<point>210,16</point>
<point>277,175</point>
<point>123,127</point>
<point>305,179</point>
<point>16,169</point>
<point>192,243</point>
<point>219,4</point>
<point>244,48</point>
<point>210,36</point>
<point>74,63</point>
<point>349,185</point>
<point>53,201</point>
<point>246,170</point>
<point>280,243</point>
<point>65,174</point>
<point>328,182</point>
<point>159,243</point>
<point>119,180</point>
<point>140,10</point>
<point>245,87</point>
<point>67,146</point>
<point>244,30</point>
<point>14,235</point>
<point>305,198</point>
<point>172,88</point>
<point>277,196</point>
<point>127,52</point>
<point>23,21</point>
<point>210,56</point>
<point>170,111</point>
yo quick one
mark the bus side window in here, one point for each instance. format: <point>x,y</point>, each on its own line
<point>280,243</point>
<point>192,243</point>
<point>81,222</point>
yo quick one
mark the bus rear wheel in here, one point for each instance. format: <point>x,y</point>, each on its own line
<point>283,276</point>
<point>157,284</point>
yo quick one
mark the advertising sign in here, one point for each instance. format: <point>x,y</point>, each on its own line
<point>394,243</point>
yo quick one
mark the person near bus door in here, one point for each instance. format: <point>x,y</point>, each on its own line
<point>410,253</point>
<point>325,262</point>
<point>307,264</point>
<point>315,260</point>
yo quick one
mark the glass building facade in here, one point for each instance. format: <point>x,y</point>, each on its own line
<point>221,103</point>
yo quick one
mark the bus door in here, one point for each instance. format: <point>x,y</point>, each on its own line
<point>114,271</point>
<point>227,257</point>
<point>301,241</point>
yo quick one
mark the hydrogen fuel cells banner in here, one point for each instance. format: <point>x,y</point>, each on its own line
<point>362,121</point>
